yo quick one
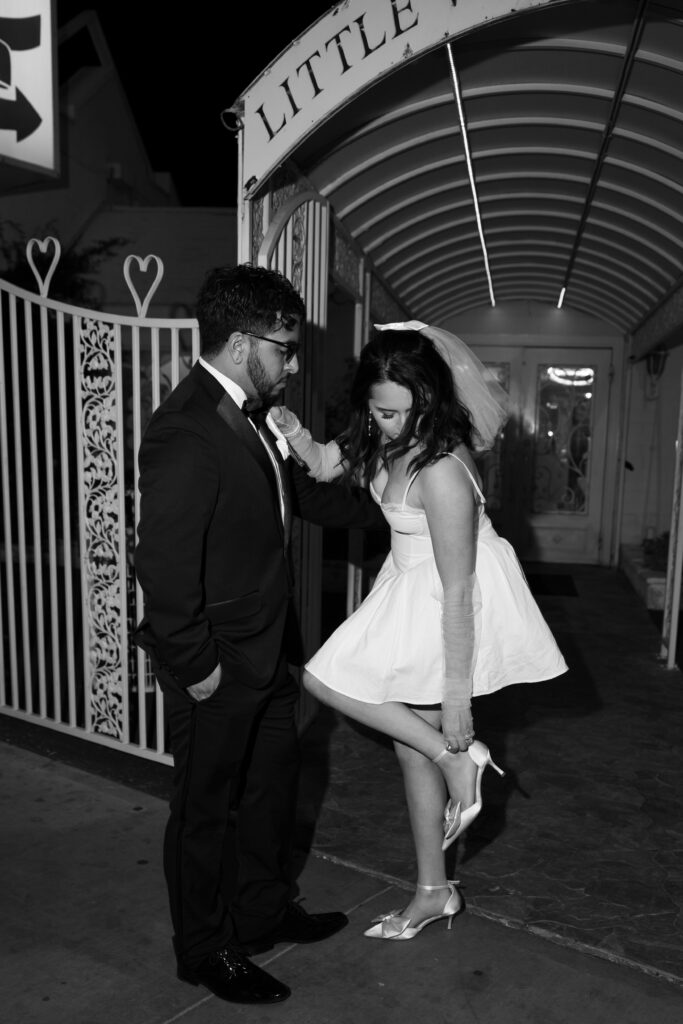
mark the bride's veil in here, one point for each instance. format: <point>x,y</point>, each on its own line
<point>476,386</point>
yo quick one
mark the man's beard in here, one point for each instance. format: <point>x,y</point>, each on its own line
<point>263,385</point>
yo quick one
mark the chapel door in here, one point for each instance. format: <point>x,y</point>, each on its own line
<point>545,478</point>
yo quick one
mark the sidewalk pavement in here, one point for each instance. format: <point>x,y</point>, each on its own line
<point>85,933</point>
<point>572,874</point>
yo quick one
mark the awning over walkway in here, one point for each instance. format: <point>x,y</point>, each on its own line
<point>571,113</point>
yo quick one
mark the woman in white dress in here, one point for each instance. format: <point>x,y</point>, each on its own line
<point>450,615</point>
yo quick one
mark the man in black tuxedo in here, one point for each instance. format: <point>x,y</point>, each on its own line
<point>216,503</point>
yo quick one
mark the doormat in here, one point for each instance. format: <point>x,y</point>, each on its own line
<point>551,584</point>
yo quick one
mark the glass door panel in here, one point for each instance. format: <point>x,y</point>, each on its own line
<point>564,416</point>
<point>543,480</point>
<point>489,463</point>
<point>566,401</point>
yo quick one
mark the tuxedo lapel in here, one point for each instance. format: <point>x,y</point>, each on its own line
<point>238,422</point>
<point>283,478</point>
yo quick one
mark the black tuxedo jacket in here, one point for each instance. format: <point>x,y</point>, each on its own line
<point>211,555</point>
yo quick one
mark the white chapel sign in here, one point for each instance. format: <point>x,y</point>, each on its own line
<point>339,56</point>
<point>27,84</point>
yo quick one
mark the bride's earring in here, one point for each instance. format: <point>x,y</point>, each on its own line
<point>369,423</point>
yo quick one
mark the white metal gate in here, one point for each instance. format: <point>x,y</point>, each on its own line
<point>76,390</point>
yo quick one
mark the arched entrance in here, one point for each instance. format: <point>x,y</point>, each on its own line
<point>475,156</point>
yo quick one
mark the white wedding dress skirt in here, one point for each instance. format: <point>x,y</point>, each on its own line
<point>391,647</point>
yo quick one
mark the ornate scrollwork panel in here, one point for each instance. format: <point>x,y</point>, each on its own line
<point>384,308</point>
<point>346,261</point>
<point>286,182</point>
<point>256,227</point>
<point>101,505</point>
<point>299,229</point>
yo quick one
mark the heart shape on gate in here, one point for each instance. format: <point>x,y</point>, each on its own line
<point>43,243</point>
<point>141,305</point>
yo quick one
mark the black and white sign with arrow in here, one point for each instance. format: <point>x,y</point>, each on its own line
<point>27,86</point>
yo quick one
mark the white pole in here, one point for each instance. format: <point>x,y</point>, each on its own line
<point>672,597</point>
<point>624,413</point>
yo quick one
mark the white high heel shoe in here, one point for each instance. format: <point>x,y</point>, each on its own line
<point>393,926</point>
<point>455,820</point>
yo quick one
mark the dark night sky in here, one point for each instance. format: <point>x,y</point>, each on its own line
<point>180,66</point>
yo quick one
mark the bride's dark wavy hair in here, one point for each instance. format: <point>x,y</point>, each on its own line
<point>438,420</point>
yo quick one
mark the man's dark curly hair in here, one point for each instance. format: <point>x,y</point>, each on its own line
<point>245,298</point>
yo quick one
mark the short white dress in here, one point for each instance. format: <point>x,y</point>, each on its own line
<point>391,647</point>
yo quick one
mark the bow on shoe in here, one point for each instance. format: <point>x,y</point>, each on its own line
<point>392,924</point>
<point>451,818</point>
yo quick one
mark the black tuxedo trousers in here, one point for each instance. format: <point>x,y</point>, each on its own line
<point>228,842</point>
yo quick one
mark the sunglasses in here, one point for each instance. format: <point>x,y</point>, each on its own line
<point>291,347</point>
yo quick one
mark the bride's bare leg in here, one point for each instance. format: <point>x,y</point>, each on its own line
<point>425,795</point>
<point>404,725</point>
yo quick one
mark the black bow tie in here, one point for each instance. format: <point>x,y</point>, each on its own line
<point>257,416</point>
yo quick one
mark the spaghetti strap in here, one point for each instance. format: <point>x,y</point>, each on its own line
<point>470,475</point>
<point>467,470</point>
<point>405,493</point>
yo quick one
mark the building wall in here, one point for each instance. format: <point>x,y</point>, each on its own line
<point>544,324</point>
<point>188,240</point>
<point>651,450</point>
<point>106,189</point>
<point>102,156</point>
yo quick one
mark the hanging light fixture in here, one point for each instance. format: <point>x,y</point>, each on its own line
<point>655,362</point>
<point>573,376</point>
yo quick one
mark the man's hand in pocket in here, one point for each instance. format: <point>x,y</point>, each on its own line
<point>205,687</point>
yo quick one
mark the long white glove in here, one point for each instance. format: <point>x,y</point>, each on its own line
<point>458,627</point>
<point>323,461</point>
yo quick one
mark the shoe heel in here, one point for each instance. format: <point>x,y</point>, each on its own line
<point>481,755</point>
<point>460,907</point>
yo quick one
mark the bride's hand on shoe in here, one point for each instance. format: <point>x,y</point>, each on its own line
<point>460,813</point>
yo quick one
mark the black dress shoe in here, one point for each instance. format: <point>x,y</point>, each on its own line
<point>229,975</point>
<point>298,926</point>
